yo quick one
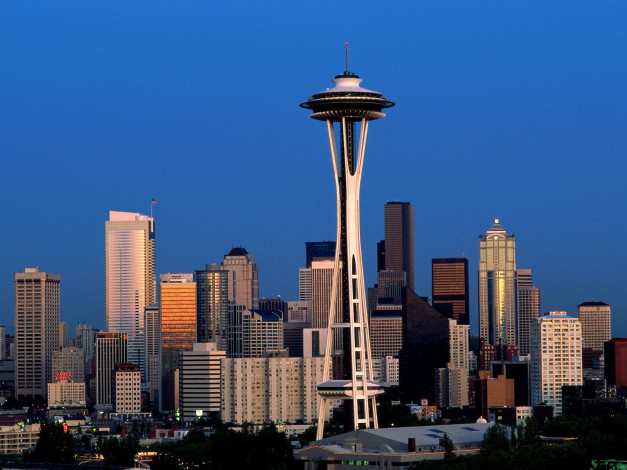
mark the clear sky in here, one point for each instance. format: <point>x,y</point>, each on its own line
<point>515,110</point>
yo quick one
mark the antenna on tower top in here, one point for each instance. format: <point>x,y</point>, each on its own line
<point>346,45</point>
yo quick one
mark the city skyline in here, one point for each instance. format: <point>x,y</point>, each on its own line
<point>541,107</point>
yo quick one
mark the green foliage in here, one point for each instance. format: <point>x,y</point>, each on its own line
<point>120,452</point>
<point>54,445</point>
<point>448,446</point>
<point>496,439</point>
<point>226,449</point>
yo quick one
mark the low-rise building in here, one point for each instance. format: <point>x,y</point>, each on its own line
<point>17,439</point>
<point>397,448</point>
<point>66,393</point>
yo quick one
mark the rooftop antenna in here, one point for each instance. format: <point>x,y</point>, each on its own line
<point>346,72</point>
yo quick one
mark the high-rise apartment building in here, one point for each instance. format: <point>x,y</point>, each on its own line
<point>200,379</point>
<point>555,351</point>
<point>528,308</point>
<point>178,325</point>
<point>262,332</point>
<point>152,341</point>
<point>321,287</point>
<point>399,239</point>
<point>126,393</point>
<point>596,328</point>
<point>111,349</point>
<point>449,281</point>
<point>458,344</point>
<point>130,277</point>
<point>37,310</point>
<point>315,250</point>
<point>212,304</point>
<point>386,331</point>
<point>277,389</point>
<point>451,386</point>
<point>497,286</point>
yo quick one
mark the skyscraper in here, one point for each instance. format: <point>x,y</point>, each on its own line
<point>596,326</point>
<point>399,239</point>
<point>212,304</point>
<point>315,250</point>
<point>449,281</point>
<point>497,286</point>
<point>243,293</point>
<point>353,107</point>
<point>321,289</point>
<point>178,326</point>
<point>130,277</point>
<point>200,380</point>
<point>243,278</point>
<point>37,310</point>
<point>555,351</point>
<point>152,335</point>
<point>111,349</point>
<point>528,308</point>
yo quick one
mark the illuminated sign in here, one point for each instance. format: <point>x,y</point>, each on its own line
<point>63,376</point>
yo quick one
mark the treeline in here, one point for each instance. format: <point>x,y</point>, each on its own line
<point>521,448</point>
<point>226,449</point>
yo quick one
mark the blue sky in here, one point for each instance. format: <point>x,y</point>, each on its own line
<point>515,110</point>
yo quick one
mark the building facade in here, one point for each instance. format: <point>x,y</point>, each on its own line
<point>200,381</point>
<point>66,394</point>
<point>399,239</point>
<point>68,364</point>
<point>313,250</point>
<point>262,332</point>
<point>212,304</point>
<point>277,389</point>
<point>152,341</point>
<point>596,327</point>
<point>449,288</point>
<point>497,286</point>
<point>111,349</point>
<point>37,311</point>
<point>556,360</point>
<point>178,326</point>
<point>615,352</point>
<point>528,308</point>
<point>130,278</point>
<point>126,394</point>
<point>386,331</point>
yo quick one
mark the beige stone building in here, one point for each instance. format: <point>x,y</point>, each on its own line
<point>277,389</point>
<point>65,393</point>
<point>37,309</point>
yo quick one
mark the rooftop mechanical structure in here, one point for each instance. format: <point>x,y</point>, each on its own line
<point>351,107</point>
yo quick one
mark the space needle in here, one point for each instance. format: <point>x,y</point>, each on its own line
<point>352,108</point>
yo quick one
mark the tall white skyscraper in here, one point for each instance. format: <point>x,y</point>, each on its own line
<point>130,277</point>
<point>497,286</point>
<point>37,310</point>
<point>556,358</point>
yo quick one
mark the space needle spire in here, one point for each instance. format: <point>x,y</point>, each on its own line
<point>347,109</point>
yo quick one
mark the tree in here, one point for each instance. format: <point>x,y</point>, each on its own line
<point>55,445</point>
<point>495,439</point>
<point>448,446</point>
